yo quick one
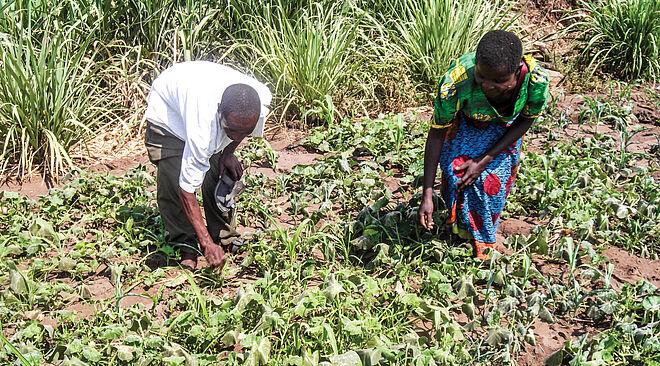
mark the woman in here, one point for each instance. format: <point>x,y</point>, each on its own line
<point>485,104</point>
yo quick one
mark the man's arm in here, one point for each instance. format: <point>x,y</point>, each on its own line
<point>212,252</point>
<point>474,167</point>
<point>432,151</point>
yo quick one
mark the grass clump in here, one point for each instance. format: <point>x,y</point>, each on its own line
<point>618,37</point>
<point>306,55</point>
<point>429,34</point>
<point>49,86</point>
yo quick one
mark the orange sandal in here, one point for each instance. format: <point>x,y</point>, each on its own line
<point>479,247</point>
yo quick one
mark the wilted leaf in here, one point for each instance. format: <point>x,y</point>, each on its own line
<point>229,339</point>
<point>464,287</point>
<point>43,229</point>
<point>499,337</point>
<point>508,305</point>
<point>530,338</point>
<point>370,357</point>
<point>545,315</point>
<point>66,264</point>
<point>174,360</point>
<point>363,243</point>
<point>513,290</point>
<point>72,362</point>
<point>262,351</point>
<point>499,278</point>
<point>555,359</point>
<point>468,309</point>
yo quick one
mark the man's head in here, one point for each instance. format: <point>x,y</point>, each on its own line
<point>498,61</point>
<point>239,111</point>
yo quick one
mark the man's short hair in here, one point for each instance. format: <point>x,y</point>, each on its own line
<point>241,100</point>
<point>499,49</point>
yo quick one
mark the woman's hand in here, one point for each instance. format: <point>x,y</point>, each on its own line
<point>425,212</point>
<point>472,169</point>
<point>230,162</point>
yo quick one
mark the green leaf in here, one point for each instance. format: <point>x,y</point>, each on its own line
<point>174,360</point>
<point>74,347</point>
<point>18,282</point>
<point>353,327</point>
<point>651,303</point>
<point>43,229</point>
<point>435,276</point>
<point>261,350</point>
<point>332,287</point>
<point>91,354</point>
<point>555,359</point>
<point>329,335</point>
<point>114,332</point>
<point>125,353</point>
<point>9,194</point>
<point>350,358</point>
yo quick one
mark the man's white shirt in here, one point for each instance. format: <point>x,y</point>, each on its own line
<point>184,100</point>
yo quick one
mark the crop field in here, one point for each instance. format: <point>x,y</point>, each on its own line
<point>336,269</point>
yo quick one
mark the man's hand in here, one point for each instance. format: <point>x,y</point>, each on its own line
<point>230,162</point>
<point>426,212</point>
<point>214,255</point>
<point>472,169</point>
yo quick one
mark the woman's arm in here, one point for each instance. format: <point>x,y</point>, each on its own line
<point>475,166</point>
<point>432,151</point>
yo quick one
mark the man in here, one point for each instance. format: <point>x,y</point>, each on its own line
<point>198,113</point>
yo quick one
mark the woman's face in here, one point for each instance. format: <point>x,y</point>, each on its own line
<point>495,83</point>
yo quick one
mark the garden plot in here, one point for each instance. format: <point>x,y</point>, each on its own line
<point>337,270</point>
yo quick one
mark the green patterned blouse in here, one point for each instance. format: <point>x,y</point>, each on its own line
<point>458,91</point>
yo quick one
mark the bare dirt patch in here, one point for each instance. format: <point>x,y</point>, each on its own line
<point>630,268</point>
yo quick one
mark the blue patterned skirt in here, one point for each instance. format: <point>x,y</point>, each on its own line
<point>476,209</point>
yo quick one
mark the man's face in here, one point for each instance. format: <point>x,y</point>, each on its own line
<point>235,128</point>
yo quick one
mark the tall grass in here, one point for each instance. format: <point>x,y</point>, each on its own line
<point>305,54</point>
<point>619,37</point>
<point>429,34</point>
<point>51,98</point>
